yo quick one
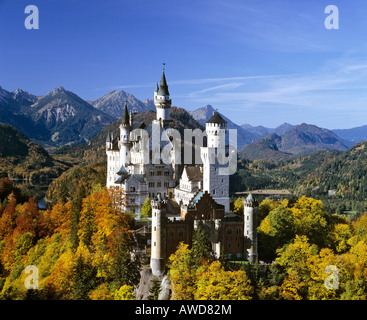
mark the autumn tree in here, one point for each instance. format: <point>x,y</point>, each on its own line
<point>76,208</point>
<point>214,283</point>
<point>125,292</point>
<point>276,230</point>
<point>7,220</point>
<point>310,220</point>
<point>182,273</point>
<point>101,293</point>
<point>146,209</point>
<point>238,206</point>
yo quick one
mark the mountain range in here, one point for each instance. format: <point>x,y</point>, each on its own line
<point>113,103</point>
<point>244,136</point>
<point>301,140</point>
<point>62,118</point>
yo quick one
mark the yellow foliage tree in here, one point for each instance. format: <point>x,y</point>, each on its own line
<point>101,293</point>
<point>125,292</point>
<point>60,281</point>
<point>182,273</point>
<point>238,206</point>
<point>214,283</point>
<point>310,219</point>
<point>292,286</point>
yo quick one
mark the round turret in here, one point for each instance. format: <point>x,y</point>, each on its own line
<point>250,227</point>
<point>158,249</point>
<point>162,101</point>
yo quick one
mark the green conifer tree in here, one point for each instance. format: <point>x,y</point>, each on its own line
<point>155,289</point>
<point>201,246</point>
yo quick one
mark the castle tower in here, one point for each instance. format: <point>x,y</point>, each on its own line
<point>213,157</point>
<point>250,228</point>
<point>162,102</point>
<point>124,142</point>
<point>158,249</point>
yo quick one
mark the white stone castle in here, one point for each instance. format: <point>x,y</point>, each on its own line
<point>144,161</point>
<point>134,159</point>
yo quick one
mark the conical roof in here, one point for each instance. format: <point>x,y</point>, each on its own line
<point>125,117</point>
<point>163,87</point>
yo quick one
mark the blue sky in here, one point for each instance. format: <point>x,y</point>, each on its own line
<point>258,61</point>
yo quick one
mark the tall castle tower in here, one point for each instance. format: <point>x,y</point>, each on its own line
<point>213,156</point>
<point>124,143</point>
<point>250,227</point>
<point>162,102</point>
<point>158,245</point>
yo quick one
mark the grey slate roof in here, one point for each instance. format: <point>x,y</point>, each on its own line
<point>216,118</point>
<point>163,87</point>
<point>125,117</point>
<point>194,173</point>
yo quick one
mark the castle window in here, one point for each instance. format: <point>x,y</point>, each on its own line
<point>238,231</point>
<point>229,231</point>
<point>166,184</point>
<point>238,244</point>
<point>159,173</point>
<point>155,228</point>
<point>229,244</point>
<point>152,173</point>
<point>213,191</point>
<point>180,233</point>
<point>155,244</point>
<point>166,173</point>
<point>151,184</point>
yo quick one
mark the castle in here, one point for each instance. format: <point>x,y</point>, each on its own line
<point>144,161</point>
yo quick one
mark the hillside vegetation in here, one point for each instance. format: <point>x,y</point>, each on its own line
<point>21,158</point>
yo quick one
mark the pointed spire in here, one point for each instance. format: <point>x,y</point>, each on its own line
<point>125,117</point>
<point>108,138</point>
<point>163,87</point>
<point>157,88</point>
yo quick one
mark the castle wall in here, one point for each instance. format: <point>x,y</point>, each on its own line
<point>232,238</point>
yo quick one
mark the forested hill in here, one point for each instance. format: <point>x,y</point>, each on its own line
<point>21,158</point>
<point>346,173</point>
